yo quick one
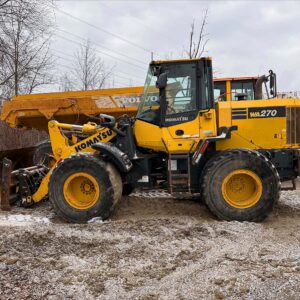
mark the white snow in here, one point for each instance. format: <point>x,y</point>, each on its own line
<point>14,219</point>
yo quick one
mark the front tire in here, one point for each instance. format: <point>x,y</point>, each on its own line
<point>240,185</point>
<point>83,186</point>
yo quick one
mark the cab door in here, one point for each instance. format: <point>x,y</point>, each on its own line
<point>181,115</point>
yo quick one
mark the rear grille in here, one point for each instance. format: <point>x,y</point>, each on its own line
<point>293,125</point>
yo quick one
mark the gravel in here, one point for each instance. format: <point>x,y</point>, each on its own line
<point>153,247</point>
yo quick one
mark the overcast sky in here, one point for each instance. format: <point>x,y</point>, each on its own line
<point>246,38</point>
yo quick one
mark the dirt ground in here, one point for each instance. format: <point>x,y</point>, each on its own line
<point>154,247</point>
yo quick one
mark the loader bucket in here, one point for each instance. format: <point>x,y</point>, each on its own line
<point>19,185</point>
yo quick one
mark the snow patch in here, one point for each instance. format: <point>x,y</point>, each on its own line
<point>97,220</point>
<point>12,219</point>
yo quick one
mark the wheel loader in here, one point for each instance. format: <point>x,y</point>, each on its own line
<point>233,154</point>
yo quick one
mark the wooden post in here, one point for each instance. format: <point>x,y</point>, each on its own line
<point>5,184</point>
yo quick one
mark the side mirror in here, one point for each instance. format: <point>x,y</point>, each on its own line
<point>162,80</point>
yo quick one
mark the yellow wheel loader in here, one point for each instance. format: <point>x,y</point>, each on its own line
<point>233,153</point>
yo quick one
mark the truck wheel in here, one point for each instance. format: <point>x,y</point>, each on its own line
<point>240,185</point>
<point>83,187</point>
<point>42,152</point>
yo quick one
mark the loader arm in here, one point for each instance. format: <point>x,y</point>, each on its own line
<point>62,147</point>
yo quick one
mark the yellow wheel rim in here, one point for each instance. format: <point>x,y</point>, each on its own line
<point>81,190</point>
<point>242,188</point>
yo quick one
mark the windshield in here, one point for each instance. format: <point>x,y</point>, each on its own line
<point>149,100</point>
<point>180,93</point>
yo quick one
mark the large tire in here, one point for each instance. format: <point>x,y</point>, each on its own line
<point>240,185</point>
<point>42,153</point>
<point>83,186</point>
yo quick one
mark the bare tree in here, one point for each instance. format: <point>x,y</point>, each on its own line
<point>197,44</point>
<point>25,33</point>
<point>66,84</point>
<point>3,3</point>
<point>90,71</point>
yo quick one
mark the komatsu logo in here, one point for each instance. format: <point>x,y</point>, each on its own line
<point>94,140</point>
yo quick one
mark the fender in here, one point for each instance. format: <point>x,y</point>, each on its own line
<point>115,155</point>
<point>225,133</point>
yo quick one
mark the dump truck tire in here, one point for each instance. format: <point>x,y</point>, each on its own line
<point>240,185</point>
<point>83,186</point>
<point>41,153</point>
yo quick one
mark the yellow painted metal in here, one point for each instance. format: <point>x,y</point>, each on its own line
<point>224,114</point>
<point>255,132</point>
<point>81,190</point>
<point>43,188</point>
<point>165,139</point>
<point>242,188</point>
<point>62,148</point>
<point>35,110</point>
<point>228,90</point>
<point>60,143</point>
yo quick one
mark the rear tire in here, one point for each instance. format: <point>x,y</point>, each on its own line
<point>240,185</point>
<point>83,186</point>
<point>42,152</point>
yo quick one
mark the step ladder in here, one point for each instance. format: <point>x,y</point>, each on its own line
<point>179,181</point>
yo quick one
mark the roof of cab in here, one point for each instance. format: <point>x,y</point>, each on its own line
<point>158,62</point>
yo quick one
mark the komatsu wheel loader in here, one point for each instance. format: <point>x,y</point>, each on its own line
<point>234,154</point>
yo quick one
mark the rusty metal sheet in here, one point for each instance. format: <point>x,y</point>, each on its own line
<point>5,184</point>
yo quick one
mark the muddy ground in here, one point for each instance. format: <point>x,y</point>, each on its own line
<point>154,247</point>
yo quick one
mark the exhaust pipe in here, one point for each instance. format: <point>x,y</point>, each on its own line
<point>258,90</point>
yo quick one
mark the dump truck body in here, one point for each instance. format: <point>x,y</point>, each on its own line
<point>34,111</point>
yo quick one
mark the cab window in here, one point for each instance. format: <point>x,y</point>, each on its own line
<point>220,91</point>
<point>181,90</point>
<point>242,90</point>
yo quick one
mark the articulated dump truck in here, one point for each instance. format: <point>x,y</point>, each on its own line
<point>189,136</point>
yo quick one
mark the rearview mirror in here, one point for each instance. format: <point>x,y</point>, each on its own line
<point>162,80</point>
